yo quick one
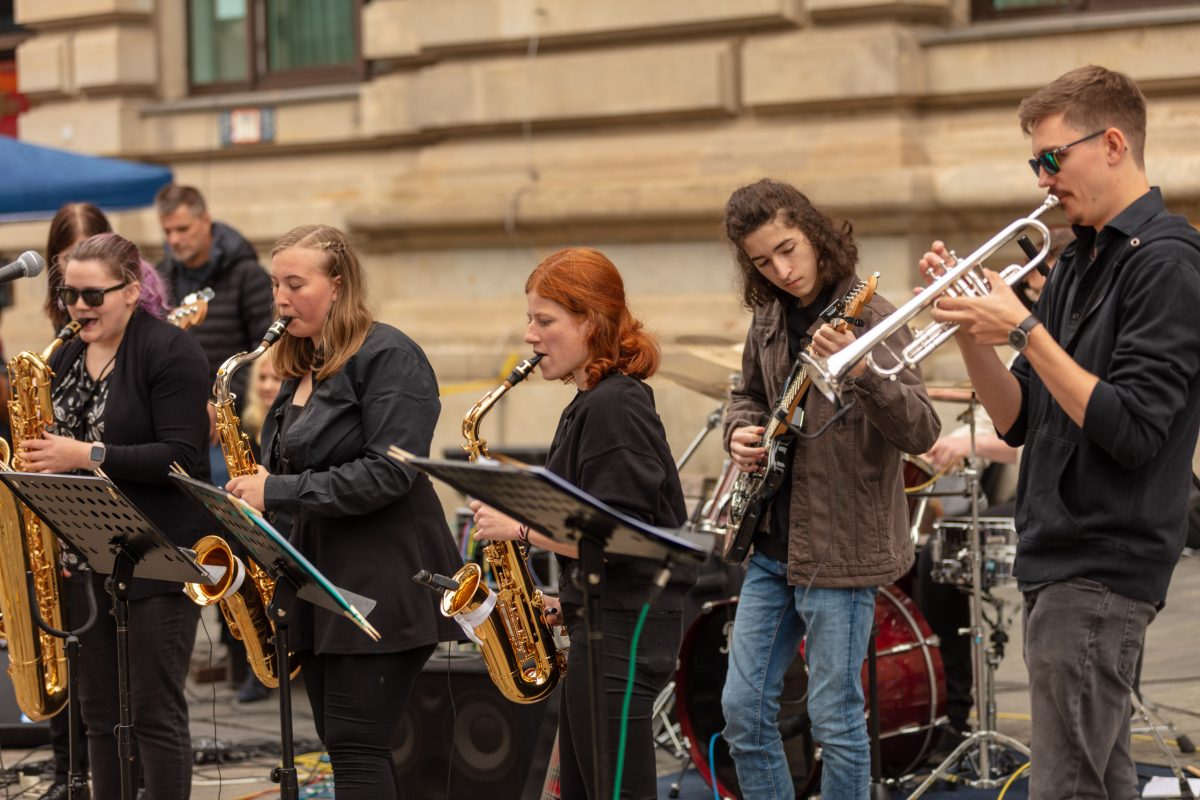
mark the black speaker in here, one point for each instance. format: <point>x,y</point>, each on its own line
<point>461,736</point>
<point>13,731</point>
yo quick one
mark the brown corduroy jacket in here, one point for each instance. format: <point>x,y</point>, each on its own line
<point>848,519</point>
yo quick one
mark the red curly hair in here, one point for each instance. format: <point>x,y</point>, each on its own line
<point>587,284</point>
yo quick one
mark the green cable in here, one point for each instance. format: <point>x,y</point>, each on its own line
<point>637,634</point>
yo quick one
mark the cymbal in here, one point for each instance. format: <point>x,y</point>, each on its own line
<point>710,370</point>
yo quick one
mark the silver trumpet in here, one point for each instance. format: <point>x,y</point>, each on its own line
<point>964,279</point>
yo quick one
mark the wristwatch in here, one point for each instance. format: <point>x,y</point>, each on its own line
<point>1018,337</point>
<point>96,455</point>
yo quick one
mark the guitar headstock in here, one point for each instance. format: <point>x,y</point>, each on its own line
<point>192,310</point>
<point>845,310</point>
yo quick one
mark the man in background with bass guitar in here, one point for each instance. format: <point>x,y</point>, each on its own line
<point>837,527</point>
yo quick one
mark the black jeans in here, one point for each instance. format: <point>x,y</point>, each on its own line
<point>358,704</point>
<point>657,650</point>
<point>1082,645</point>
<point>162,632</point>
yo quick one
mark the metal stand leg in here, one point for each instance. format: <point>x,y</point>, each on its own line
<point>282,603</point>
<point>983,748</point>
<point>1185,789</point>
<point>118,587</point>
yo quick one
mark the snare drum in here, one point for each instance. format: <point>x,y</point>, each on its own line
<point>952,551</point>
<point>909,676</point>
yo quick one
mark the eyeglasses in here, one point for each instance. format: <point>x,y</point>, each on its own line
<point>93,297</point>
<point>1049,160</point>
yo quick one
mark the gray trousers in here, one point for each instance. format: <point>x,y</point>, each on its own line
<point>1082,643</point>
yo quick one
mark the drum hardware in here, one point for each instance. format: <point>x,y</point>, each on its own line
<point>985,750</point>
<point>1139,709</point>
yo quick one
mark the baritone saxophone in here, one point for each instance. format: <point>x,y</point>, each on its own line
<point>246,590</point>
<point>37,660</point>
<point>518,647</point>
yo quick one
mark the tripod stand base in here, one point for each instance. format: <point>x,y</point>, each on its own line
<point>972,745</point>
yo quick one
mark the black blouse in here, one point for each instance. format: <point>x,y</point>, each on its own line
<point>364,520</point>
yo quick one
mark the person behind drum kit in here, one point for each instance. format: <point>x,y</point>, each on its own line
<point>129,393</point>
<point>352,388</point>
<point>838,528</point>
<point>1105,396</point>
<point>611,443</point>
<point>947,607</point>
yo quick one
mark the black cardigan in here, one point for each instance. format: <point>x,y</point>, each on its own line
<point>155,415</point>
<point>1108,501</point>
<point>368,523</point>
<point>611,443</point>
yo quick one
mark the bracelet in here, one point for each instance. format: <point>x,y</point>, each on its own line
<point>523,535</point>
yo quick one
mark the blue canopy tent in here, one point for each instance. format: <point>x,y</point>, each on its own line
<point>35,181</point>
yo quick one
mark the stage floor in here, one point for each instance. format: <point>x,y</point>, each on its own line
<point>1170,678</point>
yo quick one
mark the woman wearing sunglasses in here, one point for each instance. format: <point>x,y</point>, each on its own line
<point>73,223</point>
<point>129,395</point>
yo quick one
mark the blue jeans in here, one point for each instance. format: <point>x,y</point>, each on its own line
<point>772,618</point>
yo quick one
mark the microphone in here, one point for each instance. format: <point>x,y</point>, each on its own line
<point>27,266</point>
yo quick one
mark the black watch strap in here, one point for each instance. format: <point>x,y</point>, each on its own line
<point>1029,323</point>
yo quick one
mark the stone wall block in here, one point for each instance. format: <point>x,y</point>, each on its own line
<point>388,29</point>
<point>43,65</point>
<point>686,79</point>
<point>114,56</point>
<point>38,12</point>
<point>869,64</point>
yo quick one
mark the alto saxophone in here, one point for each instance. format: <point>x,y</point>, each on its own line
<point>518,647</point>
<point>245,591</point>
<point>37,660</point>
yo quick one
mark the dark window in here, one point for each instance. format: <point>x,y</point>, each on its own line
<point>1013,9</point>
<point>252,44</point>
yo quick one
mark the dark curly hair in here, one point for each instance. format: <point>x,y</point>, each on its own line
<point>751,207</point>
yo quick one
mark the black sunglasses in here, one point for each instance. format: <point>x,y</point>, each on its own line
<point>1049,159</point>
<point>93,297</point>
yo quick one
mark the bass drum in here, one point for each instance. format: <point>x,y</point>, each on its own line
<point>911,688</point>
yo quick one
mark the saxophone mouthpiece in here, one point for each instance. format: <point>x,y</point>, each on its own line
<point>521,371</point>
<point>277,329</point>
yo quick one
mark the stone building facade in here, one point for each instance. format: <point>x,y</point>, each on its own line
<point>465,139</point>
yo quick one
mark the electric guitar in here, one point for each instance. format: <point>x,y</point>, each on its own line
<point>753,491</point>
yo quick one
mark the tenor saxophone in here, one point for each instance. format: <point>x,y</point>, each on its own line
<point>245,590</point>
<point>37,660</point>
<point>518,647</point>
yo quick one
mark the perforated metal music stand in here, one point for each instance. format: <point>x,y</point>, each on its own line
<point>554,507</point>
<point>295,577</point>
<point>99,523</point>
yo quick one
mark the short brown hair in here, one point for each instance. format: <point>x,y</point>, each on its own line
<point>1092,98</point>
<point>172,196</point>
<point>587,284</point>
<point>751,207</point>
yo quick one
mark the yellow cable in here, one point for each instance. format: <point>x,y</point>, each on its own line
<point>1012,779</point>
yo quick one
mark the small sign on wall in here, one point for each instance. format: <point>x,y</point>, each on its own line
<point>251,125</point>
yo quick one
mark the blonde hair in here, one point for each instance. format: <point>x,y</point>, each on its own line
<point>349,320</point>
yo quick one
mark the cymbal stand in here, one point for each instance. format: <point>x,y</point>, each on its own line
<point>712,421</point>
<point>980,748</point>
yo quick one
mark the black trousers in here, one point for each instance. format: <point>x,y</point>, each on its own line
<point>657,650</point>
<point>358,703</point>
<point>162,632</point>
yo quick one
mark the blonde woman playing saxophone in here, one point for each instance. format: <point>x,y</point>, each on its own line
<point>352,387</point>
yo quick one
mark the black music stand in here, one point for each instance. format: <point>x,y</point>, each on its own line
<point>99,523</point>
<point>550,505</point>
<point>295,578</point>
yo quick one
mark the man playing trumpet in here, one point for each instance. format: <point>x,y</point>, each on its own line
<point>1105,397</point>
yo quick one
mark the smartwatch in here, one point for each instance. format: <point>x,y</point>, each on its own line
<point>1018,337</point>
<point>96,455</point>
